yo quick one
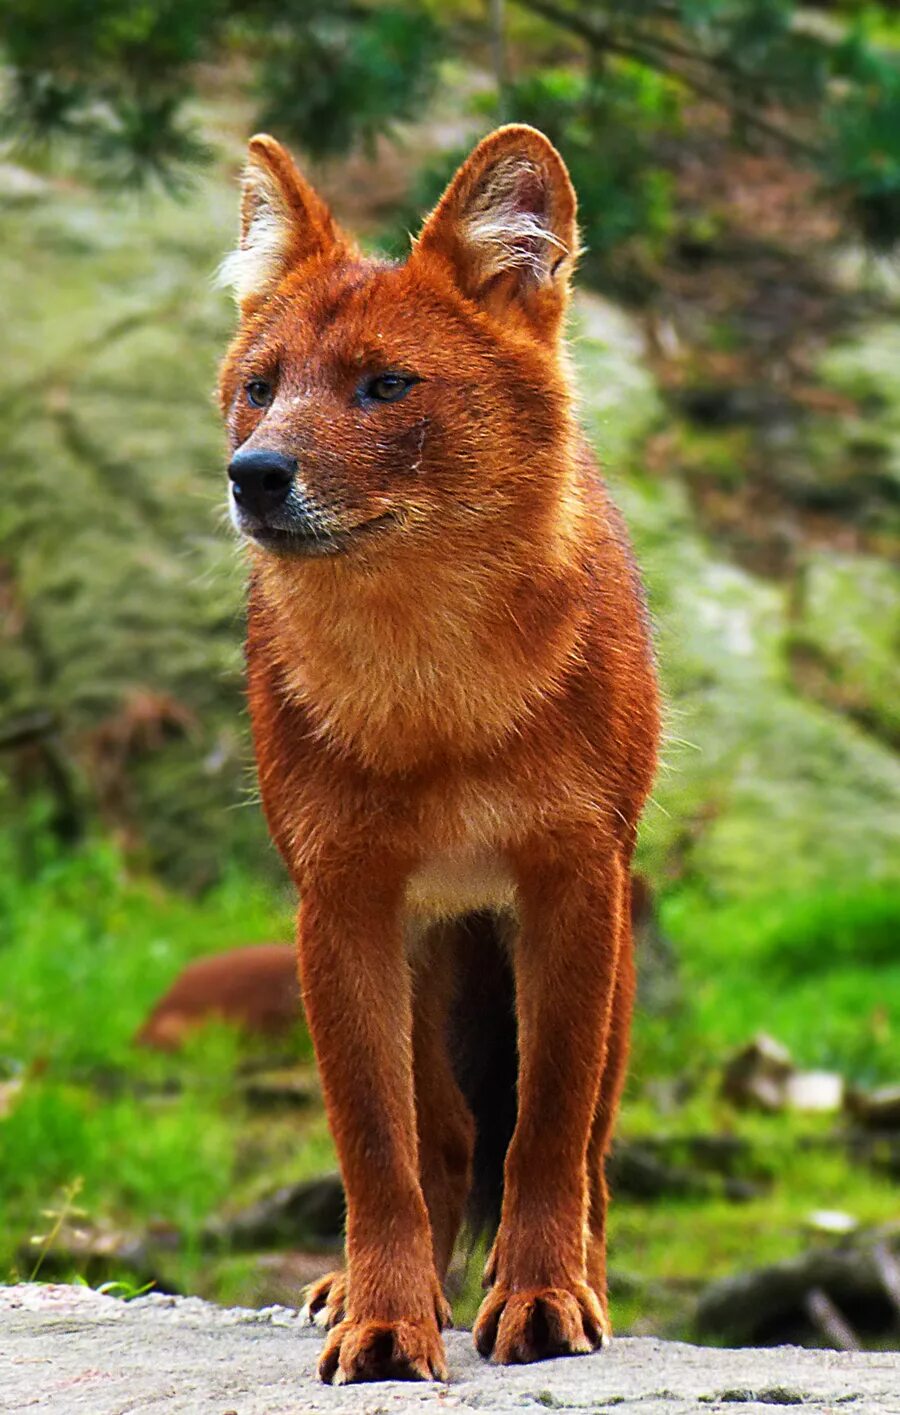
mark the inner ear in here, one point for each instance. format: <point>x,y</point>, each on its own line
<point>506,224</point>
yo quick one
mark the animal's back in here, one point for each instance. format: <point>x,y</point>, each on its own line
<point>254,988</point>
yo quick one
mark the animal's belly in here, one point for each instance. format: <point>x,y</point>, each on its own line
<point>457,882</point>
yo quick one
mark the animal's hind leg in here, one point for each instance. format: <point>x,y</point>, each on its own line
<point>612,1083</point>
<point>444,1124</point>
<point>446,1130</point>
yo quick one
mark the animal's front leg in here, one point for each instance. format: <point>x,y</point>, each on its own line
<point>356,990</point>
<point>541,1302</point>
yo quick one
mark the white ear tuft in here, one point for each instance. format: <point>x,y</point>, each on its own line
<point>257,264</point>
<point>501,233</point>
<point>283,222</point>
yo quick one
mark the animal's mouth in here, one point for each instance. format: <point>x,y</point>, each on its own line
<point>314,541</point>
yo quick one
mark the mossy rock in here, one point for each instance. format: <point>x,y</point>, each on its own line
<point>865,370</point>
<point>112,537</point>
<point>846,640</point>
<point>760,788</point>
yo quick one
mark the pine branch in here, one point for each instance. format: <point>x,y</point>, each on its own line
<point>604,41</point>
<point>567,19</point>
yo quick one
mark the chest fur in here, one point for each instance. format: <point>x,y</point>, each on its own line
<point>395,670</point>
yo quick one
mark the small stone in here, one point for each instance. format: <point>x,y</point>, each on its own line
<point>814,1091</point>
<point>831,1221</point>
<point>878,1109</point>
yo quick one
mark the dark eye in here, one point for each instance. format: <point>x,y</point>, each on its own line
<point>388,387</point>
<point>259,393</point>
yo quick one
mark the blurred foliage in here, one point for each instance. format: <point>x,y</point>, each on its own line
<point>108,76</point>
<point>120,600</point>
<point>88,945</point>
<point>818,970</point>
<point>605,80</point>
<point>87,949</point>
<point>113,78</point>
<point>863,135</point>
<point>330,81</point>
<point>609,124</point>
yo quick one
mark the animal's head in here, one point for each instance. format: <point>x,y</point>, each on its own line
<point>373,406</point>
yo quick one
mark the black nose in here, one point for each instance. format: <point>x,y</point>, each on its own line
<point>261,479</point>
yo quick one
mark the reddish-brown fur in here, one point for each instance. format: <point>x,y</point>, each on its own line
<point>456,712</point>
<point>252,988</point>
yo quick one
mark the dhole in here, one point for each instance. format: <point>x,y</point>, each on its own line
<point>455,716</point>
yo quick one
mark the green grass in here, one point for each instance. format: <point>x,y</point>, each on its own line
<point>670,1249</point>
<point>86,948</point>
<point>821,972</point>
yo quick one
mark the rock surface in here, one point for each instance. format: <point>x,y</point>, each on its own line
<point>73,1351</point>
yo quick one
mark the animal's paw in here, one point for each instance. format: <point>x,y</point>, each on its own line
<point>533,1324</point>
<point>383,1351</point>
<point>326,1300</point>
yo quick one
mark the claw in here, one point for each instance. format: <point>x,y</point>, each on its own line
<point>381,1351</point>
<point>520,1327</point>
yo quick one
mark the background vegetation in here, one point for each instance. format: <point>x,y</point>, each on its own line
<point>738,166</point>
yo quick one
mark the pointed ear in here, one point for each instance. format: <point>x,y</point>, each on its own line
<point>283,223</point>
<point>506,228</point>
